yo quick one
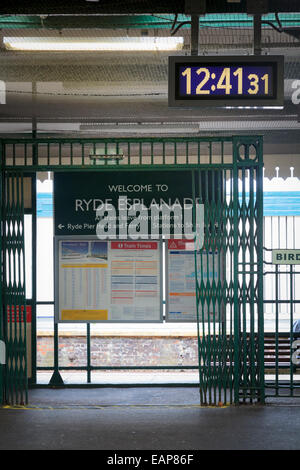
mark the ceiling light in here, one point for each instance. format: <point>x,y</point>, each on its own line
<point>94,44</point>
<point>142,128</point>
<point>254,107</point>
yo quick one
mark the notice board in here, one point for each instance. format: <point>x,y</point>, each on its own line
<point>181,282</point>
<point>107,281</point>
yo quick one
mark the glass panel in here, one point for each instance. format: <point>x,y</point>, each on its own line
<point>28,255</point>
<point>45,240</point>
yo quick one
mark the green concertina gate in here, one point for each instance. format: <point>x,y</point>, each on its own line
<point>227,179</point>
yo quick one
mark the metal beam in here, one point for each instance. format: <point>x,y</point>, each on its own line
<point>137,21</point>
<point>81,7</point>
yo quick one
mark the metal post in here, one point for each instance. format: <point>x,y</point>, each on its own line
<point>194,34</point>
<point>34,281</point>
<point>88,346</point>
<point>291,331</point>
<point>56,379</point>
<point>260,271</point>
<point>1,276</point>
<point>257,34</point>
<point>33,117</point>
<point>236,311</point>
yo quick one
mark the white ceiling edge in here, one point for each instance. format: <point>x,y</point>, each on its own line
<point>272,182</point>
<point>284,163</point>
<point>152,128</point>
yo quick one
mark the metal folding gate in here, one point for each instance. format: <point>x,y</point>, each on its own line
<point>228,180</point>
<point>13,311</point>
<point>231,337</point>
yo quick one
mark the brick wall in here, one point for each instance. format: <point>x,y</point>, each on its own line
<point>119,351</point>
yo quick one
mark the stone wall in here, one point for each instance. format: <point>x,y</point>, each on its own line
<point>119,351</point>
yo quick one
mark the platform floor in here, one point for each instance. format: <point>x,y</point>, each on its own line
<point>145,418</point>
<point>124,377</point>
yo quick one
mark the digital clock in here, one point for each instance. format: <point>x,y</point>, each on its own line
<point>221,81</point>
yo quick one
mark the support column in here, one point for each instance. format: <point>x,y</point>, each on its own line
<point>194,35</point>
<point>257,34</point>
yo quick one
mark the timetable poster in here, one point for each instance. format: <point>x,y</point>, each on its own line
<point>135,281</point>
<point>108,281</point>
<point>181,284</point>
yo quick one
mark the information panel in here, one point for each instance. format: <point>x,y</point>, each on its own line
<point>180,289</point>
<point>107,281</point>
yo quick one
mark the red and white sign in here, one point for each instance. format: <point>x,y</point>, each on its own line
<point>181,245</point>
<point>134,245</point>
<point>17,318</point>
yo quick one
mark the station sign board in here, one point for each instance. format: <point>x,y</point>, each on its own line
<point>142,204</point>
<point>285,256</point>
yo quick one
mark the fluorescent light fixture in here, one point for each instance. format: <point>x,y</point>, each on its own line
<point>143,128</point>
<point>254,107</point>
<point>94,44</point>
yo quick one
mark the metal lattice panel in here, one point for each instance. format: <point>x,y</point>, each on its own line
<point>14,303</point>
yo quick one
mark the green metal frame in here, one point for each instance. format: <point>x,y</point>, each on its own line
<point>282,342</point>
<point>2,338</point>
<point>235,362</point>
<point>231,346</point>
<point>13,311</point>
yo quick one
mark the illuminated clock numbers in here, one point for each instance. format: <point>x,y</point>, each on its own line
<point>188,74</point>
<point>265,78</point>
<point>254,83</point>
<point>224,81</point>
<point>205,79</point>
<point>239,73</point>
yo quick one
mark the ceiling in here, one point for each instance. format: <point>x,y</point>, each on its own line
<point>139,6</point>
<point>119,94</point>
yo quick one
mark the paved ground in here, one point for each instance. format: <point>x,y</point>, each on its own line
<point>145,418</point>
<point>124,377</point>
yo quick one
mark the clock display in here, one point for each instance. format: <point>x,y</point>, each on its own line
<point>221,81</point>
<point>226,81</point>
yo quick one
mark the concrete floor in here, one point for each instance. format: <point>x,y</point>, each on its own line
<point>145,419</point>
<point>110,378</point>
